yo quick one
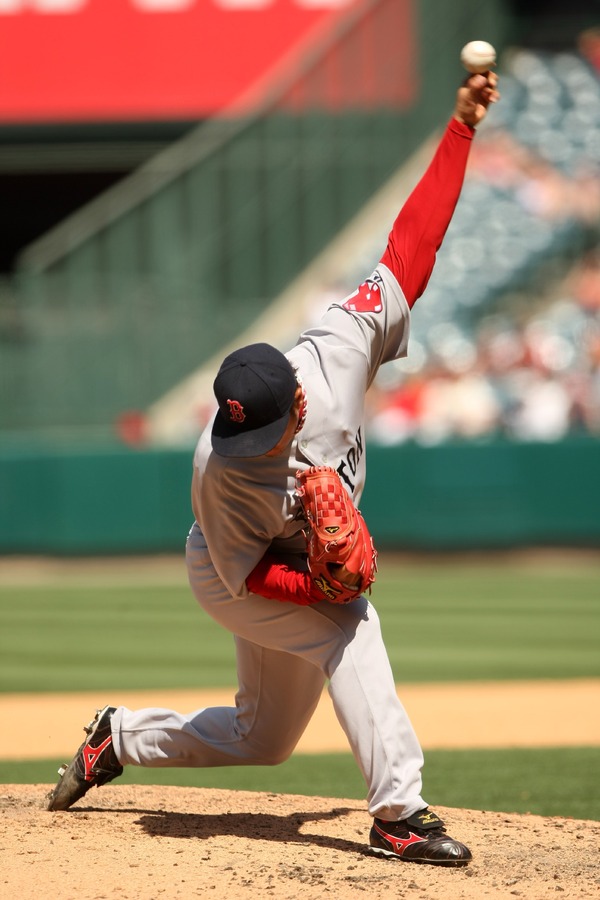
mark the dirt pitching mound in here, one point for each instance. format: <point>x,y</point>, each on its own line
<point>142,843</point>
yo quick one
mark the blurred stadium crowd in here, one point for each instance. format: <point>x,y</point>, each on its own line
<point>533,378</point>
<point>506,340</point>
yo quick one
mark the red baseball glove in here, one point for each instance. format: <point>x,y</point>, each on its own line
<point>341,556</point>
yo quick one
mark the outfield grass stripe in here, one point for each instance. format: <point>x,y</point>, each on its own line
<point>446,716</point>
<point>102,629</point>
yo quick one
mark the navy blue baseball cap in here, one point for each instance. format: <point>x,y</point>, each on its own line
<point>255,389</point>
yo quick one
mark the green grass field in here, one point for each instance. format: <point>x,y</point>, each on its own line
<point>442,621</point>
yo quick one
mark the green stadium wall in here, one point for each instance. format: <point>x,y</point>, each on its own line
<point>115,500</point>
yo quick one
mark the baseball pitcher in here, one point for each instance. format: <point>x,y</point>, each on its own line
<point>280,555</point>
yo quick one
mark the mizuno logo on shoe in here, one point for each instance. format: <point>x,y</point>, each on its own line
<point>91,756</point>
<point>428,818</point>
<point>399,845</point>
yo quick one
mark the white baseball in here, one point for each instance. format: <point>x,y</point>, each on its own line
<point>478,57</point>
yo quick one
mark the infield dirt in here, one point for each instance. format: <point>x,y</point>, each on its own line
<point>142,843</point>
<point>446,716</point>
<point>132,842</point>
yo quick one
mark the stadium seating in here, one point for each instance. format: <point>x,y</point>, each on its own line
<point>527,218</point>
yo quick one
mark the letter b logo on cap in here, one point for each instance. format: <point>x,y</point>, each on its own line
<point>236,411</point>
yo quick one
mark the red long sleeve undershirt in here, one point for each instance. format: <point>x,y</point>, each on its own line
<point>422,222</point>
<point>276,581</point>
<point>414,240</point>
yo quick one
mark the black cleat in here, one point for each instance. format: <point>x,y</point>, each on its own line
<point>421,838</point>
<point>95,763</point>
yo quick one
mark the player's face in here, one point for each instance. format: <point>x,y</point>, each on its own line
<point>283,444</point>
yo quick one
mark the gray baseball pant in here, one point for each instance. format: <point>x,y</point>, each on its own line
<point>285,655</point>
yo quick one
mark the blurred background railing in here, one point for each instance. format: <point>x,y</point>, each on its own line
<point>120,301</point>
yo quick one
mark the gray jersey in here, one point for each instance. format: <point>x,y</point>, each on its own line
<point>248,506</point>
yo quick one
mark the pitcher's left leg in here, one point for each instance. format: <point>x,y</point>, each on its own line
<point>277,696</point>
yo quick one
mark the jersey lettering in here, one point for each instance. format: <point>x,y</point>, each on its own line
<point>351,462</point>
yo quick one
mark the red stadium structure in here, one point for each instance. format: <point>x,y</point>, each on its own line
<point>126,60</point>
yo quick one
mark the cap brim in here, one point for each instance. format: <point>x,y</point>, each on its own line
<point>228,440</point>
